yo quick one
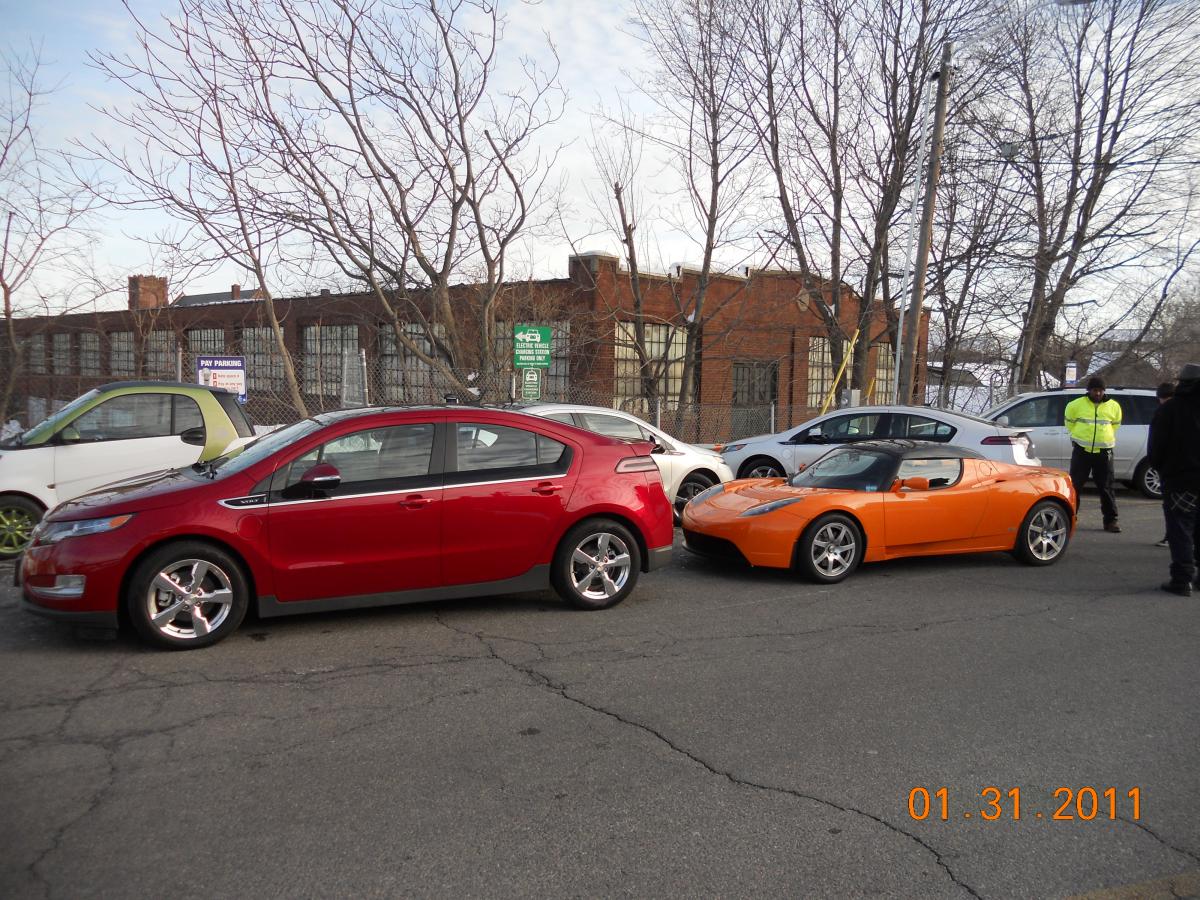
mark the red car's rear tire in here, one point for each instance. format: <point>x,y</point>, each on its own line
<point>596,565</point>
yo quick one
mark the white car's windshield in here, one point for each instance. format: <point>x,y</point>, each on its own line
<point>848,469</point>
<point>45,428</point>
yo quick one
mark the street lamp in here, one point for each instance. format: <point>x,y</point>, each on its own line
<point>913,330</point>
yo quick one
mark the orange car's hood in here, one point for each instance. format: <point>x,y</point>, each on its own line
<point>741,495</point>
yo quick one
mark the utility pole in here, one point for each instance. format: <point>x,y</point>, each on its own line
<point>913,326</point>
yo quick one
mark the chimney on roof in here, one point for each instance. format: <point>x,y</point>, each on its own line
<point>324,292</point>
<point>147,292</point>
<point>235,292</point>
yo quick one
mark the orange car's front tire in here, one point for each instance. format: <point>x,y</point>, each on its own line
<point>830,548</point>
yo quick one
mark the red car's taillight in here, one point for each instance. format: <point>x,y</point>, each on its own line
<point>637,464</point>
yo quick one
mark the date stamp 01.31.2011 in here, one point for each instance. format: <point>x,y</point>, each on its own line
<point>991,804</point>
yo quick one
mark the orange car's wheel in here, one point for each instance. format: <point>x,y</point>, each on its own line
<point>830,548</point>
<point>1043,535</point>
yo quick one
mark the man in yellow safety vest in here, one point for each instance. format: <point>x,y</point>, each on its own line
<point>1092,421</point>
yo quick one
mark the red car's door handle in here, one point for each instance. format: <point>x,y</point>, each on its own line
<point>546,489</point>
<point>415,502</point>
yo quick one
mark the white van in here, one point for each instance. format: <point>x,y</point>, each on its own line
<point>1041,414</point>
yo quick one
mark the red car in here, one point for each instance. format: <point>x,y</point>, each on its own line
<point>356,508</point>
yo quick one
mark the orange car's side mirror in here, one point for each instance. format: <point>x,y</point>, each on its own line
<point>915,483</point>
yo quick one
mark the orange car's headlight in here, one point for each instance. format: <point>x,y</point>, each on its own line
<point>764,508</point>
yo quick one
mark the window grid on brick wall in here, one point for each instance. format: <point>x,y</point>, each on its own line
<point>89,353</point>
<point>205,340</point>
<point>60,354</point>
<point>160,354</point>
<point>885,374</point>
<point>120,353</point>
<point>324,349</point>
<point>406,377</point>
<point>35,353</point>
<point>264,367</point>
<point>820,370</point>
<point>661,341</point>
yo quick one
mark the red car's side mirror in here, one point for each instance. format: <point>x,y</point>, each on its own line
<point>915,483</point>
<point>322,475</point>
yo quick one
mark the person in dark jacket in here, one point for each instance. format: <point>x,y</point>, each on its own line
<point>1164,392</point>
<point>1175,453</point>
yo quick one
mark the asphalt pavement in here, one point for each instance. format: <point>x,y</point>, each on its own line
<point>725,732</point>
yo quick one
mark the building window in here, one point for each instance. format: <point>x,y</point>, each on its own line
<point>60,354</point>
<point>885,374</point>
<point>37,354</point>
<point>326,351</point>
<point>205,340</point>
<point>264,367</point>
<point>406,377</point>
<point>89,353</point>
<point>160,354</point>
<point>120,353</point>
<point>556,379</point>
<point>665,348</point>
<point>820,370</point>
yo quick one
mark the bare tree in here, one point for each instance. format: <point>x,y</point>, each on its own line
<point>372,131</point>
<point>1104,104</point>
<point>968,279</point>
<point>42,208</point>
<point>189,156</point>
<point>833,89</point>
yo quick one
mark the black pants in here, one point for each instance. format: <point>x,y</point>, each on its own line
<point>1183,533</point>
<point>1099,467</point>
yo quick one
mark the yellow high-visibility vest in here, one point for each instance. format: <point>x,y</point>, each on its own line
<point>1093,426</point>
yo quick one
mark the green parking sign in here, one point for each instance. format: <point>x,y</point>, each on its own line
<point>531,384</point>
<point>531,346</point>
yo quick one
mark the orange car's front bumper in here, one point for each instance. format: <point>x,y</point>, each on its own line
<point>768,540</point>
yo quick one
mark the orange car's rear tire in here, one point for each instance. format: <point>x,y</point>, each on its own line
<point>830,548</point>
<point>1044,534</point>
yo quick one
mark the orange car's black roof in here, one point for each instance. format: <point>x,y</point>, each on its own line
<point>905,449</point>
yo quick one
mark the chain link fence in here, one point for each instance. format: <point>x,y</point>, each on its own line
<point>339,373</point>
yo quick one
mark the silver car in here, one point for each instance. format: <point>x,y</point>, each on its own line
<point>686,469</point>
<point>1041,413</point>
<point>774,455</point>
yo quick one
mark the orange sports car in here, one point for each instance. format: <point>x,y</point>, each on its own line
<point>880,500</point>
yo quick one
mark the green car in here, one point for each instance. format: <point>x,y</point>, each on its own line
<point>111,433</point>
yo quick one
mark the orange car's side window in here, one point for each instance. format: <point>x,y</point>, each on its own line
<point>940,472</point>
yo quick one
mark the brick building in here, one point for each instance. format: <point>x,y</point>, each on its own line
<point>765,358</point>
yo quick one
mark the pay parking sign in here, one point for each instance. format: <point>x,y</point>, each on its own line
<point>225,372</point>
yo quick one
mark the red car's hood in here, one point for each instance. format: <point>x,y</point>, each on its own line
<point>149,491</point>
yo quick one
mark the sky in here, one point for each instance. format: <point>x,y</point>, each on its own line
<point>597,50</point>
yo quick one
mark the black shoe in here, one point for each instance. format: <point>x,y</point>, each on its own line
<point>1112,526</point>
<point>1182,588</point>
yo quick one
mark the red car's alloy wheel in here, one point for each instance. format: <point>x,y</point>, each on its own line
<point>188,595</point>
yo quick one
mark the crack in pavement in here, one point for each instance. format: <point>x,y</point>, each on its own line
<point>561,690</point>
<point>1195,857</point>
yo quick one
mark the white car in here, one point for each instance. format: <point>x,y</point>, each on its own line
<point>111,433</point>
<point>1041,413</point>
<point>775,455</point>
<point>686,469</point>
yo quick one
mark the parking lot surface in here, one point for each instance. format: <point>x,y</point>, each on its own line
<point>725,731</point>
